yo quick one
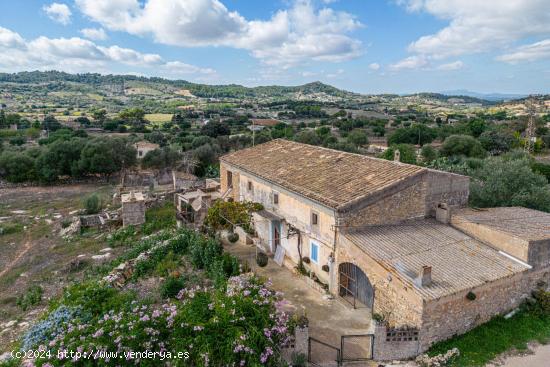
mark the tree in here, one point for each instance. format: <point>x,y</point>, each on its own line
<point>92,204</point>
<point>50,123</point>
<point>99,116</point>
<point>429,153</point>
<point>358,137</point>
<point>465,145</point>
<point>134,117</point>
<point>60,158</point>
<point>308,137</point>
<point>407,153</point>
<point>497,142</point>
<point>17,166</point>
<point>157,137</point>
<point>477,127</point>
<point>106,156</point>
<point>161,158</point>
<point>416,134</point>
<point>509,182</point>
<point>215,128</point>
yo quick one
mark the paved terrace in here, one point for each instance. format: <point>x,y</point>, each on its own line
<point>328,319</point>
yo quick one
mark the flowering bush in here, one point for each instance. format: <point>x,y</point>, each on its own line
<point>49,328</point>
<point>242,325</point>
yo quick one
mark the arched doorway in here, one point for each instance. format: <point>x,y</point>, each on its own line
<point>354,286</point>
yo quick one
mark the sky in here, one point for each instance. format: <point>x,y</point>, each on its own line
<point>366,46</point>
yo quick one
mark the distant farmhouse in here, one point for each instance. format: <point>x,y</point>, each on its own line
<point>144,147</point>
<point>259,124</point>
<point>391,237</point>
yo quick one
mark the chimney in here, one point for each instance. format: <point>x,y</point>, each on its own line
<point>443,213</point>
<point>397,155</point>
<point>424,277</point>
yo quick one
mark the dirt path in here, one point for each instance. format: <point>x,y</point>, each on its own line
<point>539,358</point>
<point>11,264</point>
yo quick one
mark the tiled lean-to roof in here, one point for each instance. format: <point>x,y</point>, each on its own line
<point>458,261</point>
<point>328,176</point>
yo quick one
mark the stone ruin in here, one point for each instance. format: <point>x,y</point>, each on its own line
<point>133,209</point>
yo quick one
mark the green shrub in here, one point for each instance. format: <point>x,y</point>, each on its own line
<point>10,228</point>
<point>92,204</point>
<point>159,218</point>
<point>171,287</point>
<point>233,237</point>
<point>96,298</point>
<point>261,259</point>
<point>31,297</point>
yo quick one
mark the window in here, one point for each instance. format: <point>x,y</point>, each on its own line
<point>229,179</point>
<point>250,187</point>
<point>275,198</point>
<point>314,252</point>
<point>140,153</point>
<point>314,219</point>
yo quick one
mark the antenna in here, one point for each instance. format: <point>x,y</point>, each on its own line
<point>530,132</point>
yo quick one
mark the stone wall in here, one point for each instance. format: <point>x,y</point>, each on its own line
<point>455,315</point>
<point>391,344</point>
<point>397,302</point>
<point>133,213</point>
<point>407,203</point>
<point>443,187</point>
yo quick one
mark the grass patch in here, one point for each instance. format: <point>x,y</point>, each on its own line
<point>484,343</point>
<point>159,218</point>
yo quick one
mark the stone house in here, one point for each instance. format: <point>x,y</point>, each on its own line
<point>133,209</point>
<point>144,147</point>
<point>391,237</point>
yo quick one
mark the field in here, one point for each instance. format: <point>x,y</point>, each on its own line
<point>158,118</point>
<point>32,252</point>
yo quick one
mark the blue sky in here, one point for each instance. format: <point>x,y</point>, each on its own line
<point>369,46</point>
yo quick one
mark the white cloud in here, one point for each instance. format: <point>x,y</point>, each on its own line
<point>531,52</point>
<point>292,36</point>
<point>335,74</point>
<point>374,66</point>
<point>58,12</point>
<point>479,26</point>
<point>456,65</point>
<point>308,74</point>
<point>96,34</point>
<point>411,63</point>
<point>80,55</point>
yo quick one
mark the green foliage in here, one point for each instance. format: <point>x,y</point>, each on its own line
<point>171,287</point>
<point>31,297</point>
<point>92,204</point>
<point>308,137</point>
<point>407,153</point>
<point>509,182</point>
<point>542,169</point>
<point>10,228</point>
<point>17,166</point>
<point>358,137</point>
<point>416,134</point>
<point>464,145</point>
<point>158,218</point>
<point>497,142</point>
<point>161,158</point>
<point>95,298</point>
<point>228,214</point>
<point>429,153</point>
<point>215,129</point>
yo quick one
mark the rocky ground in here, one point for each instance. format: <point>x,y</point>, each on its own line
<point>33,250</point>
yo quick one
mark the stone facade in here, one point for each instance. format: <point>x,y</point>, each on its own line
<point>443,187</point>
<point>455,315</point>
<point>404,204</point>
<point>133,209</point>
<point>397,302</point>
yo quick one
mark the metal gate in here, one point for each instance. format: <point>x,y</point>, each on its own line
<point>356,348</point>
<point>354,286</point>
<point>322,354</point>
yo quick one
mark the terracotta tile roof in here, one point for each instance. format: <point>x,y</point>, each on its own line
<point>458,261</point>
<point>524,223</point>
<point>330,177</point>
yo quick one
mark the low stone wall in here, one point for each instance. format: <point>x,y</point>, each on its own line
<point>455,315</point>
<point>394,344</point>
